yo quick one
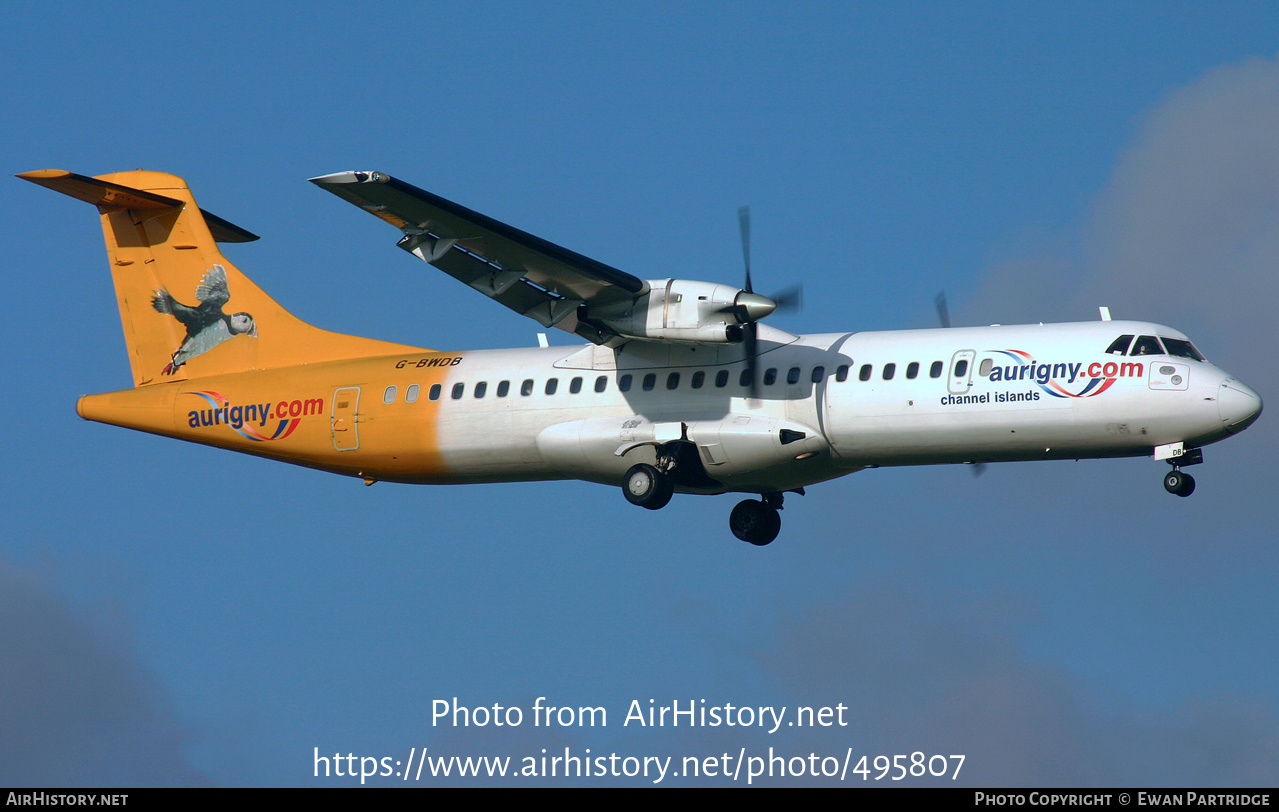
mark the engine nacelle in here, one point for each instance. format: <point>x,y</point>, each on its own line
<point>685,310</point>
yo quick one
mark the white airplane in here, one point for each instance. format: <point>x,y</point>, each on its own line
<point>681,388</point>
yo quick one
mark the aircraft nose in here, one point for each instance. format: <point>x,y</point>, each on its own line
<point>1239,405</point>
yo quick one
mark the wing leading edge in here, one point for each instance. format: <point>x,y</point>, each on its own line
<point>528,274</point>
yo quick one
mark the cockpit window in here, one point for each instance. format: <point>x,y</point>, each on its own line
<point>1146,345</point>
<point>1182,348</point>
<point>1120,345</point>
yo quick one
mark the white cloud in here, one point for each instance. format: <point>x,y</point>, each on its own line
<point>1185,232</point>
<point>75,709</point>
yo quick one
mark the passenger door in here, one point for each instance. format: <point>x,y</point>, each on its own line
<point>961,371</point>
<point>345,411</point>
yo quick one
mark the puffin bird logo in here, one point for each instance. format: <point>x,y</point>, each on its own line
<point>207,326</point>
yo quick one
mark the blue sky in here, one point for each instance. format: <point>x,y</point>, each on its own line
<point>172,614</point>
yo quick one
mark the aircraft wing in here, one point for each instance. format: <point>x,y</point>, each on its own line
<point>529,275</point>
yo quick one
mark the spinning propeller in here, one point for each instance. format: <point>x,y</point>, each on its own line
<point>749,307</point>
<point>943,312</point>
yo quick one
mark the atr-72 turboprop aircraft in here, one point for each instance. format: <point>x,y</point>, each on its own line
<point>680,388</point>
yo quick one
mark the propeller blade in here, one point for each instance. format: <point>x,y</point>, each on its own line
<point>943,312</point>
<point>749,307</point>
<point>750,345</point>
<point>979,468</point>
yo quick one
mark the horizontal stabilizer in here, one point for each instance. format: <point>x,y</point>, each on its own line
<point>109,196</point>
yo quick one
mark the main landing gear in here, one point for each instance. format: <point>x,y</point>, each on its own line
<point>1178,483</point>
<point>757,522</point>
<point>647,487</point>
<point>754,521</point>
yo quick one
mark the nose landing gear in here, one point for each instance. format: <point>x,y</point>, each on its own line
<point>1178,483</point>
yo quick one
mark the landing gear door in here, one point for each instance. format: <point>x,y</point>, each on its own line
<point>346,403</point>
<point>961,371</point>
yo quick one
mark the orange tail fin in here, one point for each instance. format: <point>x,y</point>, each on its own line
<point>187,312</point>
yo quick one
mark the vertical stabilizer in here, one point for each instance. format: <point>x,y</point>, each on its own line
<point>186,311</point>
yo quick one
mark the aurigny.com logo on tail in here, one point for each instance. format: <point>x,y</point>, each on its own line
<point>250,421</point>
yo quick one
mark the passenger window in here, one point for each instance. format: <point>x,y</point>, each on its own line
<point>721,379</point>
<point>601,383</point>
<point>841,373</point>
<point>624,383</point>
<point>961,367</point>
<point>650,380</point>
<point>793,375</point>
<point>410,394</point>
<point>770,376</point>
<point>503,388</point>
<point>458,389</point>
<point>1119,346</point>
<point>935,370</point>
<point>699,378</point>
<point>864,374</point>
<point>912,370</point>
<point>745,378</point>
<point>551,385</point>
<point>481,388</point>
<point>434,393</point>
<point>1146,345</point>
<point>389,395</point>
<point>818,374</point>
<point>889,371</point>
<point>672,380</point>
<point>575,386</point>
<point>526,388</point>
<point>986,365</point>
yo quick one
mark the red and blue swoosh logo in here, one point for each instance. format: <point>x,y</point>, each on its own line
<point>251,422</point>
<point>1094,387</point>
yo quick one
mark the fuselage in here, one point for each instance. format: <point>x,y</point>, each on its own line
<point>823,406</point>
